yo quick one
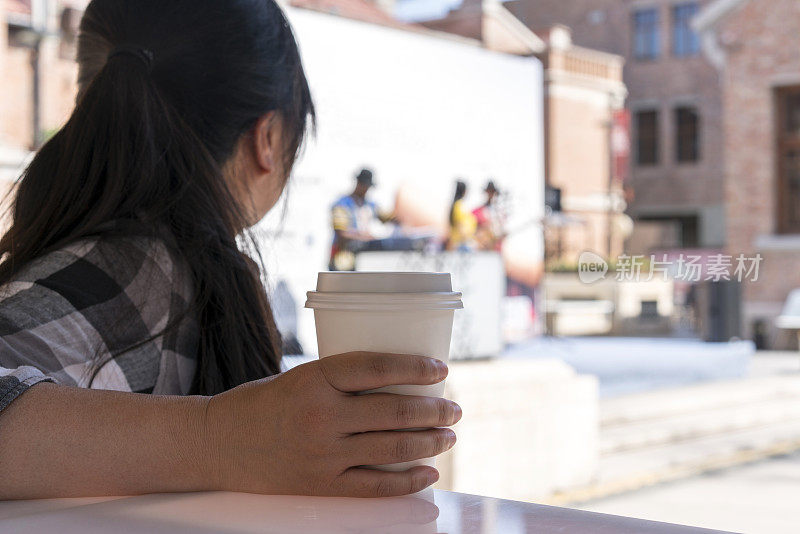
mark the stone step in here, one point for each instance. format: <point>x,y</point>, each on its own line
<point>660,436</point>
<point>696,454</point>
<point>693,425</point>
<point>664,404</point>
<point>634,469</point>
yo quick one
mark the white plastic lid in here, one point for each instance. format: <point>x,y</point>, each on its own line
<point>383,282</point>
<point>381,291</point>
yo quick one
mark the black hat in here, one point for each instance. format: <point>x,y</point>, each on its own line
<point>365,177</point>
<point>491,188</point>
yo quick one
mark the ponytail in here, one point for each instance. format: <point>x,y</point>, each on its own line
<point>137,147</point>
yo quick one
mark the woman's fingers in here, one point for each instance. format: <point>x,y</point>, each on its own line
<point>360,371</point>
<point>375,448</point>
<point>365,482</point>
<point>386,411</point>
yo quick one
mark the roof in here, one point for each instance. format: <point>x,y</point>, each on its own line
<point>492,24</point>
<point>505,32</point>
<point>362,10</point>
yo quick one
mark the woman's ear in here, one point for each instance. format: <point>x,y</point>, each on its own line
<point>259,176</point>
<point>266,139</point>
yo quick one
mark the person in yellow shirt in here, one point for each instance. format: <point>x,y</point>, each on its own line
<point>463,224</point>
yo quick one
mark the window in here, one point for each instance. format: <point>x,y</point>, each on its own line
<point>687,134</point>
<point>552,198</point>
<point>792,113</point>
<point>647,137</point>
<point>788,156</point>
<point>20,37</point>
<point>649,309</point>
<point>684,39</point>
<point>646,34</point>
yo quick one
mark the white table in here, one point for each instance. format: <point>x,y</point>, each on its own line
<point>429,512</point>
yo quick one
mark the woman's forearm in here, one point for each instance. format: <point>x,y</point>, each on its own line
<point>303,432</point>
<point>58,441</point>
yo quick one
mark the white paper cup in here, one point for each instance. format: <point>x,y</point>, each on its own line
<point>396,313</point>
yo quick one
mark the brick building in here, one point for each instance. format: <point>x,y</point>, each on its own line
<point>583,90</point>
<point>756,46</point>
<point>37,51</point>
<point>676,191</point>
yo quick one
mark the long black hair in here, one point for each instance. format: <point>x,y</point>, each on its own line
<point>148,141</point>
<point>461,191</point>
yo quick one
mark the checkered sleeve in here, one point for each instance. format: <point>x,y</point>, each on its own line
<point>92,315</point>
<point>28,344</point>
<point>13,382</point>
<point>39,335</point>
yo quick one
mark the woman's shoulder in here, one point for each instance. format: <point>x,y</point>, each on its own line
<point>99,297</point>
<point>108,265</point>
<point>108,279</point>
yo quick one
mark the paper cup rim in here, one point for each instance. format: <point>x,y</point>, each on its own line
<point>449,300</point>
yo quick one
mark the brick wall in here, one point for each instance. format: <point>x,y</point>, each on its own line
<point>16,128</point>
<point>762,45</point>
<point>583,89</point>
<point>578,163</point>
<point>669,188</point>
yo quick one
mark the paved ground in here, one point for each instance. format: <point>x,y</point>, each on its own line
<point>631,365</point>
<point>763,497</point>
<point>770,363</point>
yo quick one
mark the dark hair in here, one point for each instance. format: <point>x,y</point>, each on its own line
<point>461,191</point>
<point>147,142</point>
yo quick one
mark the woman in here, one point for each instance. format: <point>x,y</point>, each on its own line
<point>463,223</point>
<point>121,272</point>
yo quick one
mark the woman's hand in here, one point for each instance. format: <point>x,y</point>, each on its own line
<point>305,432</point>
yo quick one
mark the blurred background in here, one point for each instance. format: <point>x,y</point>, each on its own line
<point>615,187</point>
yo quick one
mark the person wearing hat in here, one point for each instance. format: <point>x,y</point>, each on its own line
<point>352,216</point>
<point>489,234</point>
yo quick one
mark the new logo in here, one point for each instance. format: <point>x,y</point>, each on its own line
<point>591,267</point>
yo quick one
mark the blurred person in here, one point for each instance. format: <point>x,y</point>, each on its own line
<point>463,223</point>
<point>138,350</point>
<point>489,233</point>
<point>352,216</point>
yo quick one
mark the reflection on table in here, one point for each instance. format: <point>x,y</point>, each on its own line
<point>428,512</point>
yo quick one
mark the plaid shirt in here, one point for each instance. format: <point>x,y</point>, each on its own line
<point>93,306</point>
